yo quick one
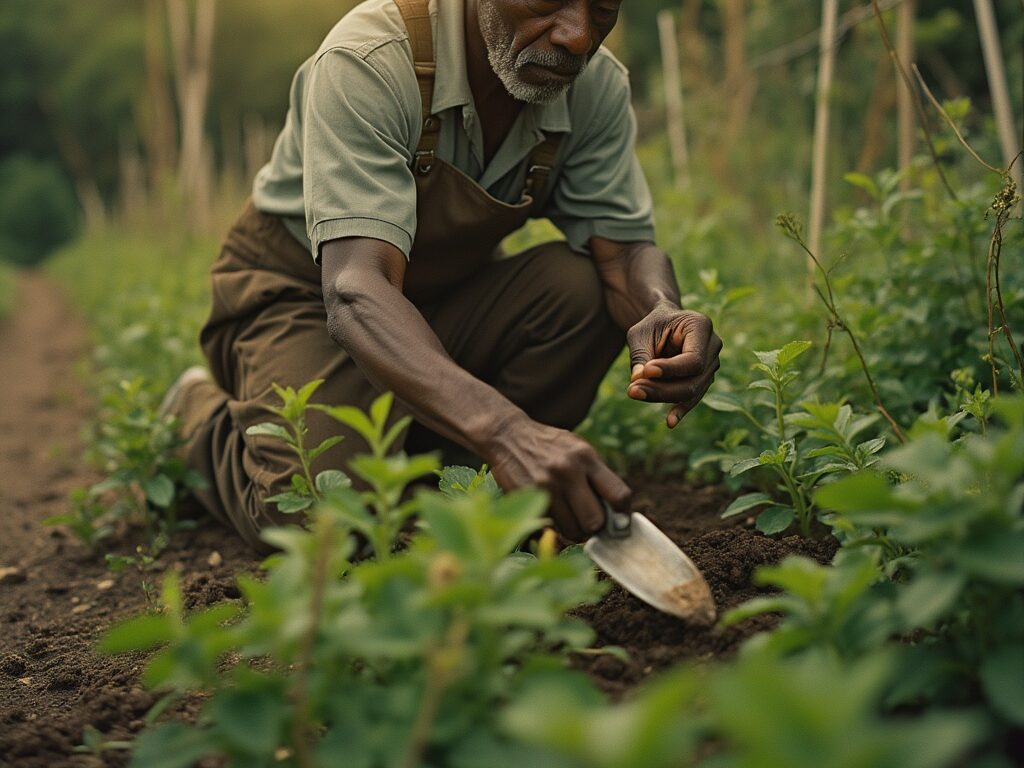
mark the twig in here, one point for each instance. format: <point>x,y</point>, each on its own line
<point>1002,206</point>
<point>789,225</point>
<point>950,122</point>
<point>918,106</point>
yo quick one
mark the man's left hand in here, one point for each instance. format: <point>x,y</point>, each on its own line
<point>673,354</point>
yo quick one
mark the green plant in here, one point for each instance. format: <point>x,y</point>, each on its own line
<point>951,534</point>
<point>803,448</point>
<point>146,481</point>
<point>435,636</point>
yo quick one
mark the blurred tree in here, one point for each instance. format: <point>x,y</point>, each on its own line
<point>38,211</point>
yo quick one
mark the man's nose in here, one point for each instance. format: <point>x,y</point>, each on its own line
<point>572,29</point>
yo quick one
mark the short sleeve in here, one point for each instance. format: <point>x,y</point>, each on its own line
<point>356,171</point>
<point>601,190</point>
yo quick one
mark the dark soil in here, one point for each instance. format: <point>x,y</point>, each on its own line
<point>726,551</point>
<point>61,598</point>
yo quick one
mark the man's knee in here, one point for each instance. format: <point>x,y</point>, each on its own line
<point>572,286</point>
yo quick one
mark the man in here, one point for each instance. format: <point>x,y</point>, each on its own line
<point>418,138</point>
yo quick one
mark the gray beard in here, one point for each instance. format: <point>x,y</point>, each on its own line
<point>499,38</point>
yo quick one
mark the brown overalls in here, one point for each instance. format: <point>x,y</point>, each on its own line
<point>533,326</point>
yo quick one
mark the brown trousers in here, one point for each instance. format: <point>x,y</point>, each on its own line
<point>534,326</point>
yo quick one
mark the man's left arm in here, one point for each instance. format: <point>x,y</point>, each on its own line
<point>673,352</point>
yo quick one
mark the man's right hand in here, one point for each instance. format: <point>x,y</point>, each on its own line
<point>568,468</point>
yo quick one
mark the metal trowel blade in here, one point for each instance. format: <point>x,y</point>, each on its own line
<point>649,565</point>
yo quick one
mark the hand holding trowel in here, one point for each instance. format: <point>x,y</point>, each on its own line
<point>634,552</point>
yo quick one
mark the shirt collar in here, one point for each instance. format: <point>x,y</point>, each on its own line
<point>451,84</point>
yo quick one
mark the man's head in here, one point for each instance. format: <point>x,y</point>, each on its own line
<point>539,47</point>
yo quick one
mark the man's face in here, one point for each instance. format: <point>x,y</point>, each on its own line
<point>539,47</point>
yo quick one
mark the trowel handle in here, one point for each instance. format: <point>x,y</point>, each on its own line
<point>616,524</point>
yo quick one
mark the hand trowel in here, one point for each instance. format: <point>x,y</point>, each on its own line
<point>634,552</point>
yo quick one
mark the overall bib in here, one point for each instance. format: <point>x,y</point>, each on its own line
<point>533,326</point>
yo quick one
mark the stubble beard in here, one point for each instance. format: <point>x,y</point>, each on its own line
<point>499,38</point>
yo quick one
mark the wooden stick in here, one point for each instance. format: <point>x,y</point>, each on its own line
<point>826,64</point>
<point>1009,141</point>
<point>673,99</point>
<point>904,98</point>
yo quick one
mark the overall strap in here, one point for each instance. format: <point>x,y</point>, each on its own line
<point>542,160</point>
<point>421,38</point>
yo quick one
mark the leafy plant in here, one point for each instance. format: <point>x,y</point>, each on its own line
<point>952,534</point>
<point>803,447</point>
<point>400,660</point>
<point>147,479</point>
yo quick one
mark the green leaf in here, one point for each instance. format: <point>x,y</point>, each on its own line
<point>174,745</point>
<point>138,634</point>
<point>792,351</point>
<point>330,442</point>
<point>270,429</point>
<point>775,520</point>
<point>354,418</point>
<point>1002,677</point>
<point>723,401</point>
<point>863,182</point>
<point>303,395</point>
<point>994,555</point>
<point>290,502</point>
<point>250,720</point>
<point>745,502</point>
<point>927,598</point>
<point>159,490</point>
<point>757,607</point>
<point>380,408</point>
<point>744,466</point>
<point>332,479</point>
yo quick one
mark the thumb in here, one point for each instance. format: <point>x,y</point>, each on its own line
<point>639,356</point>
<point>644,341</point>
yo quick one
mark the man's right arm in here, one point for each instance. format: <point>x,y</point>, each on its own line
<point>394,346</point>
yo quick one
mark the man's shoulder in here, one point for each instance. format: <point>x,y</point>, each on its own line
<point>370,26</point>
<point>602,90</point>
<point>604,84</point>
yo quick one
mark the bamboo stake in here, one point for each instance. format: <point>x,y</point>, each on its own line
<point>673,99</point>
<point>1008,139</point>
<point>904,98</point>
<point>826,64</point>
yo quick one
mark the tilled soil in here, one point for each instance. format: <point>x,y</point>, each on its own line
<point>56,599</point>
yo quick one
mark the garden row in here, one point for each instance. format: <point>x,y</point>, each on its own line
<point>447,647</point>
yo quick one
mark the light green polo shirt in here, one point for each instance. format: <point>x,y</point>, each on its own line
<point>341,166</point>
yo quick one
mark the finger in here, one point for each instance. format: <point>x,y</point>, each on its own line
<point>564,520</point>
<point>586,508</point>
<point>679,410</point>
<point>611,488</point>
<point>696,351</point>
<point>644,340</point>
<point>673,390</point>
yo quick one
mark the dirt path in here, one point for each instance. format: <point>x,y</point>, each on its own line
<point>59,597</point>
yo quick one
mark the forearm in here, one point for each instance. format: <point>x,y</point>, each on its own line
<point>398,351</point>
<point>638,278</point>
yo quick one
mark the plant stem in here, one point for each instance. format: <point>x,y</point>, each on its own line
<point>440,669</point>
<point>995,249</point>
<point>300,693</point>
<point>837,321</point>
<point>799,503</point>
